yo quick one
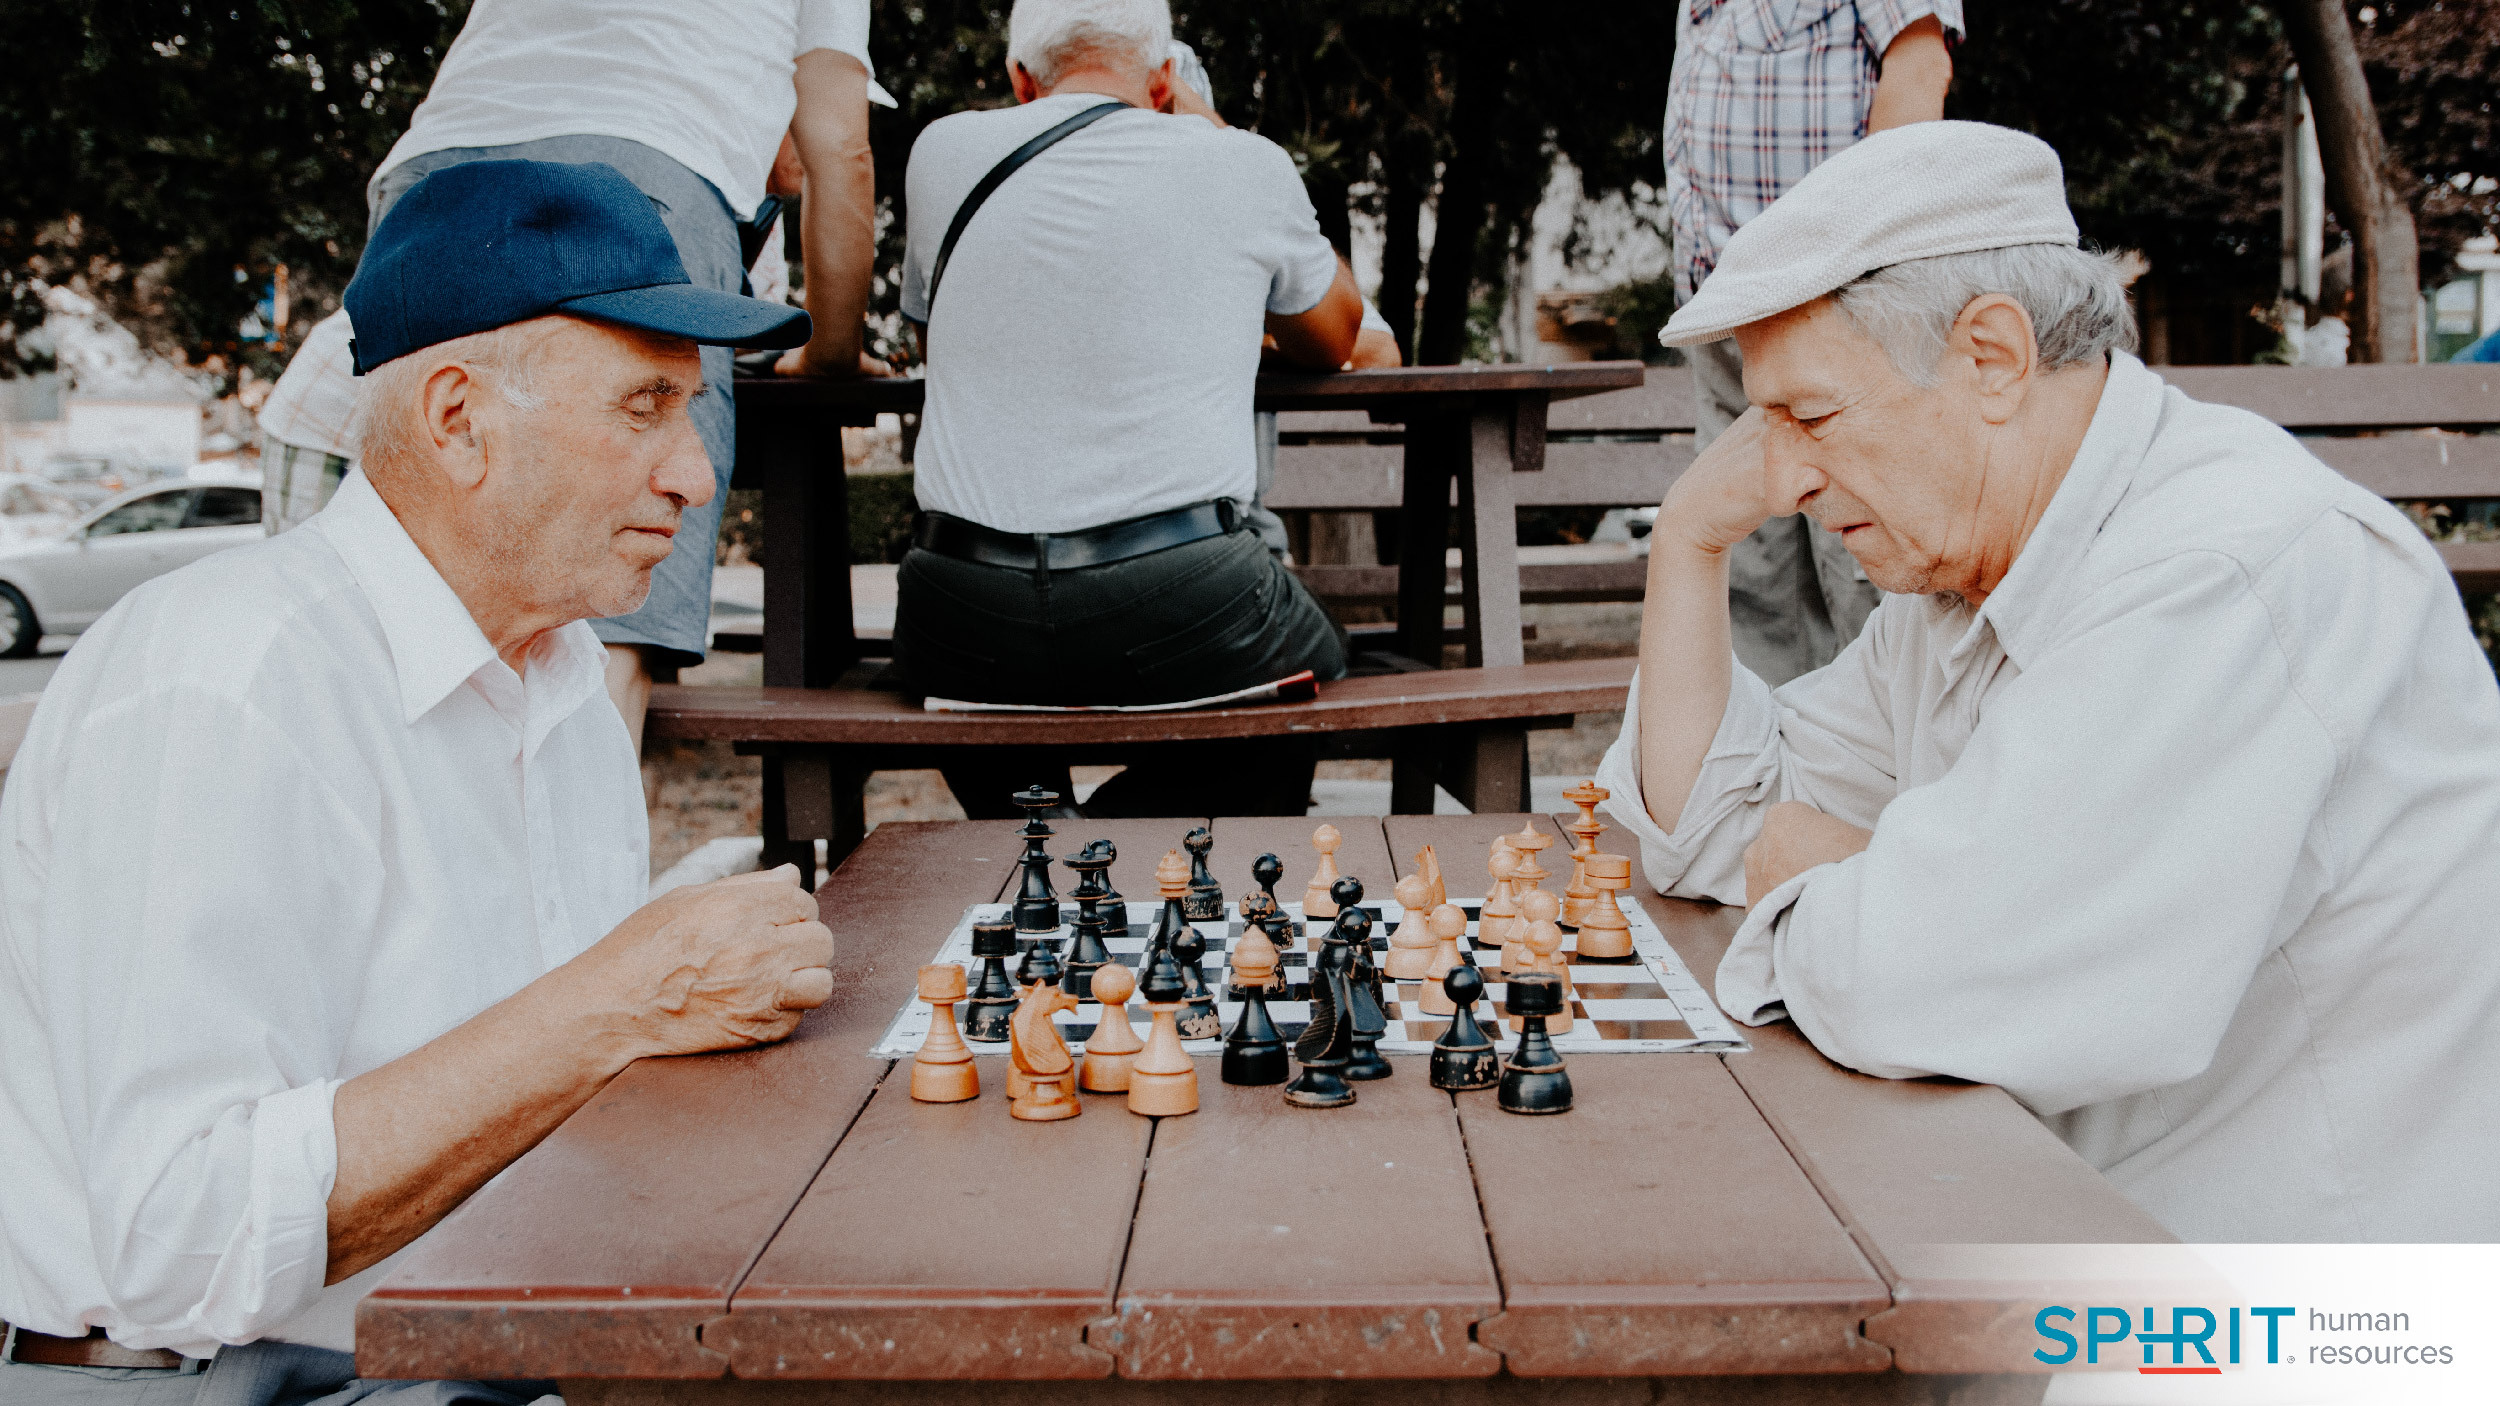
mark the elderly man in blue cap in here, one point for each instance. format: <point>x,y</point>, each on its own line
<point>322,868</point>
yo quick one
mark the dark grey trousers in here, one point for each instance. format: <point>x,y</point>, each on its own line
<point>255,1374</point>
<point>1212,616</point>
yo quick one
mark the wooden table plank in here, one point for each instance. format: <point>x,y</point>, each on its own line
<point>605,1250</point>
<point>1278,1242</point>
<point>947,1241</point>
<point>1914,1167</point>
<point>1709,1252</point>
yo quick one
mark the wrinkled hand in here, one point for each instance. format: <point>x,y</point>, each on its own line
<point>1796,837</point>
<point>1728,492</point>
<point>715,966</point>
<point>796,362</point>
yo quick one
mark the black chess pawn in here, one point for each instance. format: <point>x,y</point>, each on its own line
<point>1113,907</point>
<point>1087,953</point>
<point>1037,906</point>
<point>1205,903</point>
<point>1368,1019</point>
<point>1267,870</point>
<point>1041,962</point>
<point>1463,1057</point>
<point>1326,1045</point>
<point>1198,1019</point>
<point>992,1001</point>
<point>1533,1078</point>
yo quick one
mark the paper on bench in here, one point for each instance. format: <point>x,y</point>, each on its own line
<point>1293,688</point>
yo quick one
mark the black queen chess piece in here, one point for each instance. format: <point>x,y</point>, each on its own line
<point>1463,1058</point>
<point>1533,1078</point>
<point>1326,1045</point>
<point>992,1001</point>
<point>1205,903</point>
<point>1037,907</point>
<point>1086,954</point>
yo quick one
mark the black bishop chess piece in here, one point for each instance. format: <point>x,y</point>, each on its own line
<point>1037,907</point>
<point>1205,903</point>
<point>1366,1016</point>
<point>1326,1045</point>
<point>1198,1019</point>
<point>1087,954</point>
<point>1533,1078</point>
<point>992,1000</point>
<point>1463,1057</point>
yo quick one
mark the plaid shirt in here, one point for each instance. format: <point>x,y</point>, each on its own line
<point>1761,93</point>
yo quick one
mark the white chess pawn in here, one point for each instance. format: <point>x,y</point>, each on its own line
<point>1410,947</point>
<point>1447,924</point>
<point>1543,939</point>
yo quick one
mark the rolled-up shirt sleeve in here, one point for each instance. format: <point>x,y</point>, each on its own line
<point>1824,739</point>
<point>194,1039</point>
<point>2074,909</point>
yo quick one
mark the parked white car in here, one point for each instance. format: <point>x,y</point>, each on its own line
<point>34,507</point>
<point>62,582</point>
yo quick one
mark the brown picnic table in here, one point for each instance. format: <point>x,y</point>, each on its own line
<point>785,1223</point>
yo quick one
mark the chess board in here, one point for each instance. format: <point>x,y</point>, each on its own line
<point>1647,1003</point>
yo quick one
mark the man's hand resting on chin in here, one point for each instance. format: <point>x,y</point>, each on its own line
<point>1795,837</point>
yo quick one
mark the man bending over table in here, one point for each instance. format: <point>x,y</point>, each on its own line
<point>1087,453</point>
<point>322,866</point>
<point>2163,790</point>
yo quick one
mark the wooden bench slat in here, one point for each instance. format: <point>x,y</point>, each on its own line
<point>864,717</point>
<point>2349,397</point>
<point>654,1198</point>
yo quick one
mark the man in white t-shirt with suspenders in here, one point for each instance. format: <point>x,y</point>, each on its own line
<point>1093,333</point>
<point>690,101</point>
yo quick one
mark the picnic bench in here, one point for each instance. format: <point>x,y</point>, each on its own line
<point>1470,436</point>
<point>786,1223</point>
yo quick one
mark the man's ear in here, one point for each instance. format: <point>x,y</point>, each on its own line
<point>1159,87</point>
<point>1994,336</point>
<point>450,404</point>
<point>1021,80</point>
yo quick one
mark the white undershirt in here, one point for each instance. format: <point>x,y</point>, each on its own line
<point>708,82</point>
<point>282,816</point>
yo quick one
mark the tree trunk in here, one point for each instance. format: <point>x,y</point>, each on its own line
<point>1401,247</point>
<point>2363,184</point>
<point>1466,193</point>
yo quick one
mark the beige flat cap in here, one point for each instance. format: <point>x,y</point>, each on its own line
<point>1913,192</point>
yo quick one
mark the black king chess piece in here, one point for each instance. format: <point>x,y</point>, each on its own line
<point>1533,1078</point>
<point>1198,1019</point>
<point>1205,903</point>
<point>1366,1016</point>
<point>992,1001</point>
<point>1326,1045</point>
<point>1267,870</point>
<point>1463,1057</point>
<point>1086,954</point>
<point>1114,908</point>
<point>1037,907</point>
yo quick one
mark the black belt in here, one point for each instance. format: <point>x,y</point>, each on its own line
<point>92,1350</point>
<point>965,540</point>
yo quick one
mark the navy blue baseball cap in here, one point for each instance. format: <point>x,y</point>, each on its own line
<point>485,244</point>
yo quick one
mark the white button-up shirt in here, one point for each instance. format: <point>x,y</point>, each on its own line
<point>2189,837</point>
<point>282,817</point>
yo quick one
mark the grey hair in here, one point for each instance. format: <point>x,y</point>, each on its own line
<point>2077,299</point>
<point>1047,37</point>
<point>394,414</point>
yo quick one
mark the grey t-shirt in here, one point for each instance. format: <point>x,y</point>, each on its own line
<point>1096,342</point>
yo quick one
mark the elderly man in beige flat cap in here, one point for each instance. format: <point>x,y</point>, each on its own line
<point>2163,789</point>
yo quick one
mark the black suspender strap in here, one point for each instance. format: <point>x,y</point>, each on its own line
<point>997,177</point>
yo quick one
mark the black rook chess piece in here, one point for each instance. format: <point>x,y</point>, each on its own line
<point>1037,907</point>
<point>1533,1078</point>
<point>1463,1057</point>
<point>1205,903</point>
<point>1368,1019</point>
<point>1087,954</point>
<point>1326,1045</point>
<point>992,1000</point>
<point>1198,1020</point>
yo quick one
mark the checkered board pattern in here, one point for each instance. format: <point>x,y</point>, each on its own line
<point>1647,1003</point>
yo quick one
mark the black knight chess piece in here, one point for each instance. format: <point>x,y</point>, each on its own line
<point>1463,1057</point>
<point>1087,954</point>
<point>1326,1045</point>
<point>992,1000</point>
<point>1198,1019</point>
<point>1533,1078</point>
<point>1365,1013</point>
<point>1205,903</point>
<point>1037,907</point>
